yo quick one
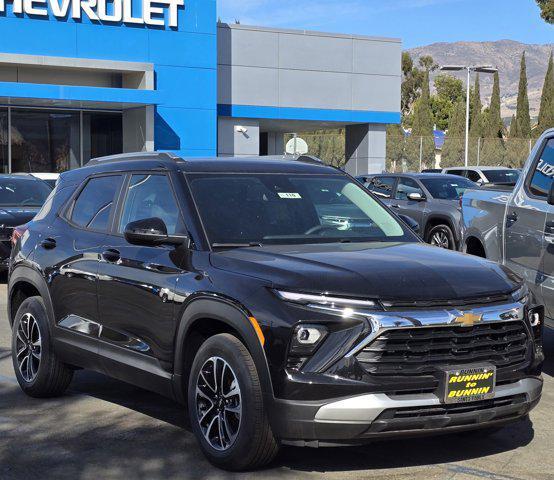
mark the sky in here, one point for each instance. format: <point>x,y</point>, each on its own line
<point>416,22</point>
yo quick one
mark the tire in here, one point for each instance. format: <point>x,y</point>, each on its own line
<point>42,375</point>
<point>441,236</point>
<point>248,442</point>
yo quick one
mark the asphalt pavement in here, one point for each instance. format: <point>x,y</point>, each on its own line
<point>106,429</point>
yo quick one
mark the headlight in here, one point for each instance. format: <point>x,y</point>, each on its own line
<point>521,294</point>
<point>325,300</point>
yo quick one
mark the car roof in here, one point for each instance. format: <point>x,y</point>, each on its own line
<point>419,175</point>
<point>21,176</point>
<point>484,169</point>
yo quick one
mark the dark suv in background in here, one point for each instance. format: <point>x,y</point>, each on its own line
<point>278,299</point>
<point>432,200</point>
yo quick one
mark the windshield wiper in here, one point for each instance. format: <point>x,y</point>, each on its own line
<point>236,245</point>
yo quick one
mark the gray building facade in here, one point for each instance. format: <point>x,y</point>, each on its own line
<point>272,82</point>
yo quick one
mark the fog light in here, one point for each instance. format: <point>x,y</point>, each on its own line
<point>308,335</point>
<point>306,338</point>
<point>535,319</point>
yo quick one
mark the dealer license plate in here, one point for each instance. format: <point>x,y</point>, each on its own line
<point>470,384</point>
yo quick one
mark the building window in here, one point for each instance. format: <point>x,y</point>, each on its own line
<point>4,151</point>
<point>102,134</point>
<point>45,140</point>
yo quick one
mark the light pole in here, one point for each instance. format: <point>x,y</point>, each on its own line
<point>469,68</point>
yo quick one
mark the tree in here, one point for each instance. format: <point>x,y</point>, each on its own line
<point>395,148</point>
<point>449,91</point>
<point>454,144</point>
<point>427,63</point>
<point>422,128</point>
<point>476,119</point>
<point>547,10</point>
<point>523,119</point>
<point>494,125</point>
<point>493,151</point>
<point>546,113</point>
<point>412,79</point>
<point>517,148</point>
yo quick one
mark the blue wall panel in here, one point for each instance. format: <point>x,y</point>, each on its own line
<point>184,58</point>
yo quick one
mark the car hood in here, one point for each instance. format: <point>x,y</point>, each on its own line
<point>14,216</point>
<point>386,271</point>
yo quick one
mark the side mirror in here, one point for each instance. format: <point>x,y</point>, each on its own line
<point>416,197</point>
<point>414,226</point>
<point>151,232</point>
<point>551,195</point>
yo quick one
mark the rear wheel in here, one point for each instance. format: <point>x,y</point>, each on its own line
<point>37,369</point>
<point>441,236</point>
<point>226,406</point>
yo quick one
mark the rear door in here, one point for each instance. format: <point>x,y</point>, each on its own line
<point>526,223</point>
<point>413,208</point>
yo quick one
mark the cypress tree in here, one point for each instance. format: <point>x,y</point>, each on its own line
<point>454,144</point>
<point>494,125</point>
<point>523,119</point>
<point>476,125</point>
<point>422,127</point>
<point>546,113</point>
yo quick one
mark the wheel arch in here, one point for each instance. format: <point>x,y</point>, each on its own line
<point>437,219</point>
<point>205,316</point>
<point>26,282</point>
<point>474,246</point>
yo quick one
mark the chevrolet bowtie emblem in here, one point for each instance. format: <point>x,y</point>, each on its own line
<point>468,319</point>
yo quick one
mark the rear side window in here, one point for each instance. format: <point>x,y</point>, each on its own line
<point>460,173</point>
<point>382,186</point>
<point>473,176</point>
<point>94,205</point>
<point>544,172</point>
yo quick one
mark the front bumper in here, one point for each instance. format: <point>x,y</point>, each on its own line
<point>361,418</point>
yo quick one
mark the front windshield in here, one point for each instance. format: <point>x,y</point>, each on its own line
<point>502,176</point>
<point>447,188</point>
<point>23,192</point>
<point>258,209</point>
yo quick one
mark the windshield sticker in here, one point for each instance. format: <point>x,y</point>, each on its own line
<point>545,168</point>
<point>289,196</point>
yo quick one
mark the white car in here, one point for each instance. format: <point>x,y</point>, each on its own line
<point>49,178</point>
<point>483,175</point>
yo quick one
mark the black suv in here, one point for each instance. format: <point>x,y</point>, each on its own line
<point>277,298</point>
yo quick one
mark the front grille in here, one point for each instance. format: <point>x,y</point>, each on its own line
<point>464,302</point>
<point>419,351</point>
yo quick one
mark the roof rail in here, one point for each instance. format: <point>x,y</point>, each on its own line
<point>122,157</point>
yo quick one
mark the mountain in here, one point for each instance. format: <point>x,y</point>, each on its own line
<point>503,54</point>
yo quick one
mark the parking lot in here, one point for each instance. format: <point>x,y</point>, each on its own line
<point>104,429</point>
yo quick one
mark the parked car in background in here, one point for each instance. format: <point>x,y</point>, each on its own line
<point>432,200</point>
<point>21,197</point>
<point>484,175</point>
<point>49,178</point>
<point>277,298</point>
<point>516,226</point>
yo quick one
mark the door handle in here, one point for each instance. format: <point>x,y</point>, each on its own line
<point>111,255</point>
<point>511,218</point>
<point>395,205</point>
<point>48,243</point>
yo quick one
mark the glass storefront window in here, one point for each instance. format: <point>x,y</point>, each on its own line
<point>4,162</point>
<point>102,134</point>
<point>45,140</point>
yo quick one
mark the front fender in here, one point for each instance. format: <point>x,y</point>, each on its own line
<point>236,317</point>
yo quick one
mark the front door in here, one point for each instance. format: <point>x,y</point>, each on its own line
<point>548,269</point>
<point>525,228</point>
<point>137,285</point>
<point>413,208</point>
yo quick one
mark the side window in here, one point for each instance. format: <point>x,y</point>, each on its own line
<point>151,196</point>
<point>94,204</point>
<point>460,173</point>
<point>473,176</point>
<point>382,186</point>
<point>544,172</point>
<point>406,186</point>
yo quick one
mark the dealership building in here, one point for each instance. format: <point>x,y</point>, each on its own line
<point>87,78</point>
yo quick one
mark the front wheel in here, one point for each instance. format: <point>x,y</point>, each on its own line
<point>441,236</point>
<point>226,406</point>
